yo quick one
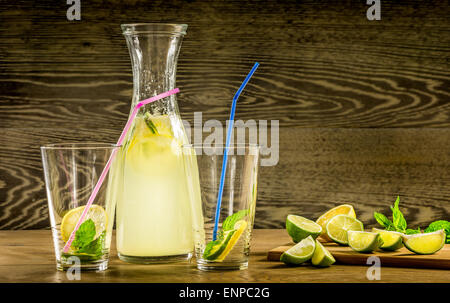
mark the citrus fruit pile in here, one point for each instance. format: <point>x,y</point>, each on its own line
<point>340,225</point>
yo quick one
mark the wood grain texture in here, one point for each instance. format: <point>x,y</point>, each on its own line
<point>318,169</point>
<point>27,256</point>
<point>323,66</point>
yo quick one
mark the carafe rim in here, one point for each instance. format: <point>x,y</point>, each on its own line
<point>173,29</point>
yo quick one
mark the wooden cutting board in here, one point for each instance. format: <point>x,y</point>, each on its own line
<point>399,258</point>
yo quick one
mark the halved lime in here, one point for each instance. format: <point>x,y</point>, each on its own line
<point>301,252</point>
<point>343,209</point>
<point>339,225</point>
<point>219,249</point>
<point>364,241</point>
<point>425,244</point>
<point>300,228</point>
<point>322,257</point>
<point>392,240</point>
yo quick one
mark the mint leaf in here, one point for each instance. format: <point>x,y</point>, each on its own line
<point>150,124</point>
<point>95,247</point>
<point>438,225</point>
<point>85,234</point>
<point>228,223</point>
<point>382,219</point>
<point>410,231</point>
<point>398,219</point>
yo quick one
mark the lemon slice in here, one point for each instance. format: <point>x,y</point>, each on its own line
<point>344,209</point>
<point>70,219</point>
<point>239,228</point>
<point>300,228</point>
<point>339,225</point>
<point>425,244</point>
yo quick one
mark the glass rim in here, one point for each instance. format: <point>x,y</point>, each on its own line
<point>154,28</point>
<point>79,146</point>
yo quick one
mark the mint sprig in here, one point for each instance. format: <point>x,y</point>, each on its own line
<point>84,235</point>
<point>84,242</point>
<point>398,222</point>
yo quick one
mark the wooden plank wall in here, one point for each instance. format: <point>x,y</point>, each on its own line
<point>363,105</point>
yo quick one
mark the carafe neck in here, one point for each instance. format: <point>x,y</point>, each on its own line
<point>154,50</point>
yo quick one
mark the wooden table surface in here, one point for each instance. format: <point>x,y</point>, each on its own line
<point>27,256</point>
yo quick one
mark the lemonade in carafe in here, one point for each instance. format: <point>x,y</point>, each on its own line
<point>155,220</point>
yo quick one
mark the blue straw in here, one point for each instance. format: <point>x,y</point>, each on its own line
<point>227,145</point>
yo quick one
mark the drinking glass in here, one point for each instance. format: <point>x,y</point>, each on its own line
<point>71,172</point>
<point>223,242</point>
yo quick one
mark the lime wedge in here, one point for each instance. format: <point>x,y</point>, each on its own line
<point>364,241</point>
<point>344,209</point>
<point>425,244</point>
<point>392,240</point>
<point>219,249</point>
<point>339,225</point>
<point>300,228</point>
<point>301,252</point>
<point>70,219</point>
<point>215,248</point>
<point>322,257</point>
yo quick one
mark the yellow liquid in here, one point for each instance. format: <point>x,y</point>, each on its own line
<point>155,216</point>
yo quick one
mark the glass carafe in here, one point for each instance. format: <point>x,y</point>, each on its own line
<point>154,219</point>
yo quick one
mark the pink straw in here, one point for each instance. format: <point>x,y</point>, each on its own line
<point>111,159</point>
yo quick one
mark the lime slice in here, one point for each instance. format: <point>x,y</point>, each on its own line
<point>322,257</point>
<point>70,219</point>
<point>300,228</point>
<point>301,252</point>
<point>425,244</point>
<point>214,249</point>
<point>344,209</point>
<point>364,241</point>
<point>220,249</point>
<point>339,225</point>
<point>392,240</point>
